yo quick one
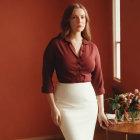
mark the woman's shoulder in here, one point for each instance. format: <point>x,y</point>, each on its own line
<point>56,40</point>
<point>92,44</point>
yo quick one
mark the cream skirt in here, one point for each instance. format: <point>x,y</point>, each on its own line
<point>78,107</point>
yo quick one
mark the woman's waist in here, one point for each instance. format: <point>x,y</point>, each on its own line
<point>75,91</point>
<point>79,78</point>
<point>74,86</point>
<point>73,83</point>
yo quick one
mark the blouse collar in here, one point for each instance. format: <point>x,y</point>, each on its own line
<point>84,41</point>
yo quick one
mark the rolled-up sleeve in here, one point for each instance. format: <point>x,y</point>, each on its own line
<point>48,68</point>
<point>97,76</point>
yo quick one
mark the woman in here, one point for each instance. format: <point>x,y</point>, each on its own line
<point>78,97</point>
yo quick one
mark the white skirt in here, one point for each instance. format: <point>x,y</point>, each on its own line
<point>78,107</point>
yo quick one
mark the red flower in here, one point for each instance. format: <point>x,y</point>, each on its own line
<point>136,91</point>
<point>127,107</point>
<point>132,96</point>
<point>122,97</point>
<point>137,106</point>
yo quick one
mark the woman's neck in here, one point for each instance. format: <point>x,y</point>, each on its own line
<point>76,36</point>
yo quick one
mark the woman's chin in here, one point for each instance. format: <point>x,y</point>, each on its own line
<point>80,30</point>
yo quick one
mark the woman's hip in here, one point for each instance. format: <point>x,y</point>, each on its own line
<point>75,93</point>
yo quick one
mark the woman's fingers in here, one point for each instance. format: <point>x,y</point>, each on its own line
<point>56,116</point>
<point>100,124</point>
<point>110,122</point>
<point>55,119</point>
<point>106,122</point>
<point>103,118</point>
<point>59,119</point>
<point>100,121</point>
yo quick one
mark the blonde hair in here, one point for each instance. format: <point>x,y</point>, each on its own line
<point>65,24</point>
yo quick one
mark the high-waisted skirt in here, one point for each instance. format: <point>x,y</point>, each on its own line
<point>78,107</point>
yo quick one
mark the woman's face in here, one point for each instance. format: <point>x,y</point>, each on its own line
<point>77,20</point>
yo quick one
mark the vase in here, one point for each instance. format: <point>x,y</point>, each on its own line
<point>131,118</point>
<point>119,117</point>
<point>128,116</point>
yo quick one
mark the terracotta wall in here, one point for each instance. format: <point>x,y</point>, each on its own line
<point>130,49</point>
<point>130,44</point>
<point>26,28</point>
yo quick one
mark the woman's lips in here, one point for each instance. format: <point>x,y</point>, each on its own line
<point>79,26</point>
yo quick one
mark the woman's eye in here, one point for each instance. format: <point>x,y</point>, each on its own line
<point>73,17</point>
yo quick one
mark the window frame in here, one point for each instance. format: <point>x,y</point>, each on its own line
<point>115,43</point>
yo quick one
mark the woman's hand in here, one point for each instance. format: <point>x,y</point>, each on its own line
<point>56,116</point>
<point>103,118</point>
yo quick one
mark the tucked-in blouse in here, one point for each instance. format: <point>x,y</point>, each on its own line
<point>60,55</point>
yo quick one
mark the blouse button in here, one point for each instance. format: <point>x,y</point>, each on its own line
<point>78,63</point>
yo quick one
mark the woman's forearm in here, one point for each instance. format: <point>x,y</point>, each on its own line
<point>100,100</point>
<point>55,113</point>
<point>51,100</point>
<point>101,115</point>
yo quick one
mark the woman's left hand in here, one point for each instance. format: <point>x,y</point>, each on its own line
<point>103,118</point>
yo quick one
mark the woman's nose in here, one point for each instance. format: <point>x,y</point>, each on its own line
<point>79,20</point>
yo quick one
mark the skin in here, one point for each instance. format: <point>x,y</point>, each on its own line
<point>77,18</point>
<point>77,23</point>
<point>55,113</point>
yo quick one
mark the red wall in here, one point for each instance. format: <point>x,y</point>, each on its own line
<point>26,28</point>
<point>130,44</point>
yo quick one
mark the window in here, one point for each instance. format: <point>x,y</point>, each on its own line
<point>116,41</point>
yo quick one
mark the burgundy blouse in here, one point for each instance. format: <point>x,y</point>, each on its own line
<point>71,68</point>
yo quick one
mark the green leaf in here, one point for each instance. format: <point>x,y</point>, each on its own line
<point>116,99</point>
<point>110,100</point>
<point>119,115</point>
<point>134,113</point>
<point>114,106</point>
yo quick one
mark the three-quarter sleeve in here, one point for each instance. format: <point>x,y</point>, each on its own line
<point>48,68</point>
<point>97,76</point>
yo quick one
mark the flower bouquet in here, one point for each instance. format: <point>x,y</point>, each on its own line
<point>126,106</point>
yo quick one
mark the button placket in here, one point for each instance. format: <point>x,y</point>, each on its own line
<point>81,51</point>
<point>79,65</point>
<point>78,69</point>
